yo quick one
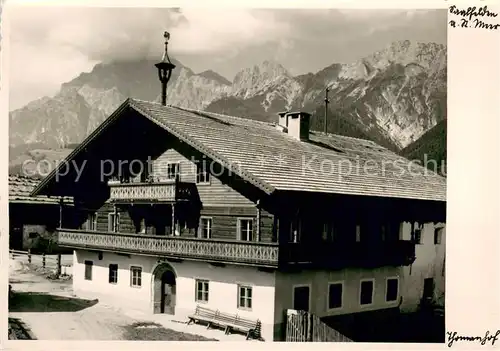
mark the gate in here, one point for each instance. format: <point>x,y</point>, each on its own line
<point>296,326</point>
<point>302,326</point>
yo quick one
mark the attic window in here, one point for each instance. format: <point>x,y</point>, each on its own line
<point>202,174</point>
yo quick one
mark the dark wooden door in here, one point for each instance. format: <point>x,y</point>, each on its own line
<point>16,238</point>
<point>168,293</point>
<point>301,298</point>
<point>428,289</point>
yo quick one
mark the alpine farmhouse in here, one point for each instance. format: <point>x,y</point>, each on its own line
<point>33,219</point>
<point>183,212</point>
<point>178,208</point>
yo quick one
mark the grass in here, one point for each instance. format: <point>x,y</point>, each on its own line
<point>44,302</point>
<point>150,331</point>
<point>17,330</point>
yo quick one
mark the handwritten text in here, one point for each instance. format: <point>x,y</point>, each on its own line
<point>470,17</point>
<point>487,337</point>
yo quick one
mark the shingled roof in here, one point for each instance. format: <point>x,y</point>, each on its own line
<point>273,160</point>
<point>20,188</point>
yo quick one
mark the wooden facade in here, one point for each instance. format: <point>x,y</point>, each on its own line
<point>215,222</point>
<point>189,202</point>
<point>33,220</point>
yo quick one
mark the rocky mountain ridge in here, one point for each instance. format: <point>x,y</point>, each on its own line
<point>393,96</point>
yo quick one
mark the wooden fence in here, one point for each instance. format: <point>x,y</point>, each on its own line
<point>43,260</point>
<point>302,326</point>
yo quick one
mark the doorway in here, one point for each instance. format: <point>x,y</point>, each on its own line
<point>301,296</point>
<point>164,289</point>
<point>168,292</point>
<point>428,293</point>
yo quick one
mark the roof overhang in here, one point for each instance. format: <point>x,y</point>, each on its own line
<point>136,133</point>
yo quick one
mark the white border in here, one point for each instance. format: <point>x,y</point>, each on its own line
<point>472,184</point>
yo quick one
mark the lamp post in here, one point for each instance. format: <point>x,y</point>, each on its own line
<point>165,68</point>
<point>327,101</point>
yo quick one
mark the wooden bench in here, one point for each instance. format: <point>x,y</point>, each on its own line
<point>202,314</point>
<point>252,328</point>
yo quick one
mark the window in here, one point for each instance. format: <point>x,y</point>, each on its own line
<point>113,222</point>
<point>245,229</point>
<point>438,233</point>
<point>328,233</point>
<point>201,290</point>
<point>244,297</point>
<point>173,170</point>
<point>113,273</point>
<point>416,234</point>
<point>295,230</point>
<point>366,292</point>
<point>358,233</point>
<point>202,174</point>
<point>135,276</point>
<point>92,221</point>
<point>335,295</point>
<point>391,289</point>
<point>145,171</point>
<point>428,288</point>
<point>88,270</point>
<point>205,228</point>
<point>301,298</point>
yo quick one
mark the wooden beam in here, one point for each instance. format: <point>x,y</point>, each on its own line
<point>61,204</point>
<point>173,219</point>
<point>115,223</point>
<point>258,220</point>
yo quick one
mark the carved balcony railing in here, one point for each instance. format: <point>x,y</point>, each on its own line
<point>166,191</point>
<point>259,254</point>
<point>355,254</point>
<point>319,255</point>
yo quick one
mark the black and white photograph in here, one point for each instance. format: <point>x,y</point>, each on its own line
<point>239,174</point>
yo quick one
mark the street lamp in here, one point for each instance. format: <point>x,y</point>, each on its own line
<point>327,101</point>
<point>165,68</point>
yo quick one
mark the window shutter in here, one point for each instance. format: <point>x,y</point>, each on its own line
<point>253,223</point>
<point>238,229</point>
<point>110,222</point>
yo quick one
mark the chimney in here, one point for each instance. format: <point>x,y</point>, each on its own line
<point>165,68</point>
<point>296,124</point>
<point>283,119</point>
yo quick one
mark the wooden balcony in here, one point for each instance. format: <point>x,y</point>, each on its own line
<point>356,254</point>
<point>166,191</point>
<point>324,255</point>
<point>259,254</point>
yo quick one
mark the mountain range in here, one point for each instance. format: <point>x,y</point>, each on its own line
<point>393,97</point>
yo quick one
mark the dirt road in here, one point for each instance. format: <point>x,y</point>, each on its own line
<point>51,311</point>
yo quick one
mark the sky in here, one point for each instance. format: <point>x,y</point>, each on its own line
<point>52,45</point>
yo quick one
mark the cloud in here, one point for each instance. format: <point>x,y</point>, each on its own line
<point>204,31</point>
<point>51,45</point>
<point>133,33</point>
